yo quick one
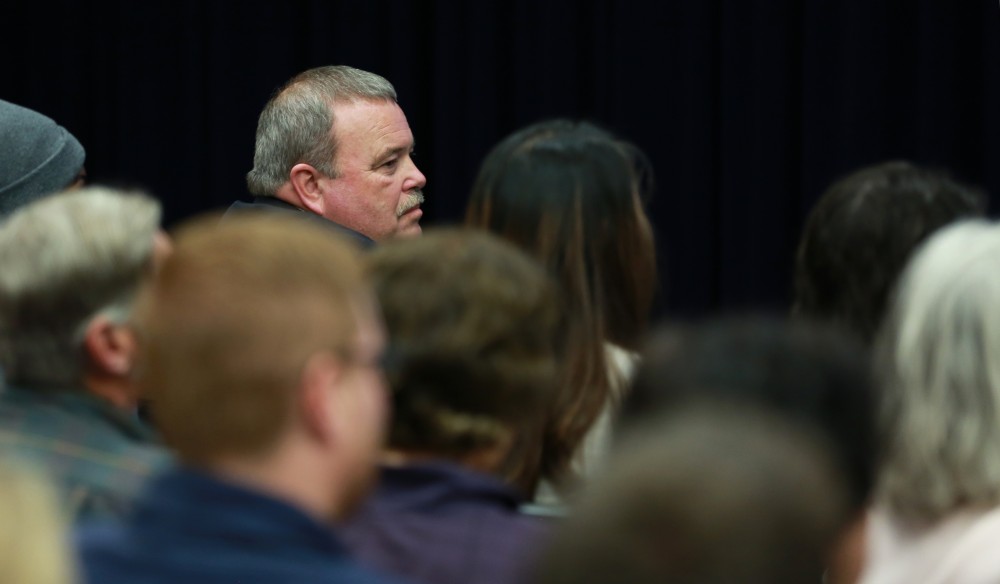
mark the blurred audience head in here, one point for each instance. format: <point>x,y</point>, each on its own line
<point>34,545</point>
<point>475,327</point>
<point>572,195</point>
<point>70,267</point>
<point>808,373</point>
<point>261,352</point>
<point>37,157</point>
<point>804,371</point>
<point>708,495</point>
<point>937,357</point>
<point>861,233</point>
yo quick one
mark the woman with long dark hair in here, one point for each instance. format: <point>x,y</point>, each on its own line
<point>572,195</point>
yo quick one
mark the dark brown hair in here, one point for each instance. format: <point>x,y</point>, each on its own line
<point>713,494</point>
<point>571,194</point>
<point>861,233</point>
<point>474,325</point>
<point>814,374</point>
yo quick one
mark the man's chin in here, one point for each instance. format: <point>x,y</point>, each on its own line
<point>412,230</point>
<point>409,223</point>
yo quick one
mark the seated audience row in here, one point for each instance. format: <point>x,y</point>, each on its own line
<point>331,409</point>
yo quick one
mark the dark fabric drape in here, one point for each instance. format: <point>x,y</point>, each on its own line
<point>747,108</point>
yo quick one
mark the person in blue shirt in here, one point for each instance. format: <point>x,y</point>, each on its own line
<point>262,357</point>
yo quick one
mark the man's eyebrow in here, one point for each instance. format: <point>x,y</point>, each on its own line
<point>393,151</point>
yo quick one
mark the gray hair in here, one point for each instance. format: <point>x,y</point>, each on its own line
<point>296,125</point>
<point>937,357</point>
<point>64,260</point>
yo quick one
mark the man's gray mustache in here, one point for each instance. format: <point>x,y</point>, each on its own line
<point>412,199</point>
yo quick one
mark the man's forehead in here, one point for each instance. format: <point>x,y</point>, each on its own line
<point>375,125</point>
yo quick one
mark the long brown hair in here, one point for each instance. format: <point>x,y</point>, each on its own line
<point>571,194</point>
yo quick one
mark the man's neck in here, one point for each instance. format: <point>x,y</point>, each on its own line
<point>118,392</point>
<point>285,194</point>
<point>282,477</point>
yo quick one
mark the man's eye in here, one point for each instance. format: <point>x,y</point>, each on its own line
<point>391,163</point>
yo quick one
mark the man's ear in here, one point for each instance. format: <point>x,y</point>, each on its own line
<point>110,347</point>
<point>318,397</point>
<point>307,184</point>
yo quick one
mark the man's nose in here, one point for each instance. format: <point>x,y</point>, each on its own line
<point>415,179</point>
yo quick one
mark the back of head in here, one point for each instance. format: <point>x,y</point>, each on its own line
<point>570,194</point>
<point>64,260</point>
<point>937,356</point>
<point>861,233</point>
<point>817,376</point>
<point>475,327</point>
<point>230,322</point>
<point>33,542</point>
<point>37,157</point>
<point>296,125</point>
<point>709,496</point>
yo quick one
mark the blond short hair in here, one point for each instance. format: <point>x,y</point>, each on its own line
<point>230,322</point>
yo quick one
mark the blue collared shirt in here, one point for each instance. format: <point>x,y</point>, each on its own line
<point>194,528</point>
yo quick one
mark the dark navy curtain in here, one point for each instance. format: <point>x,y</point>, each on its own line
<point>747,108</point>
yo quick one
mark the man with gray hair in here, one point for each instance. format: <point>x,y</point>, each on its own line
<point>333,142</point>
<point>70,265</point>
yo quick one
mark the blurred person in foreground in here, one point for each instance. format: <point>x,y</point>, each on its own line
<point>262,348</point>
<point>333,145</point>
<point>937,513</point>
<point>810,374</point>
<point>860,235</point>
<point>70,267</point>
<point>34,547</point>
<point>708,495</point>
<point>38,157</point>
<point>573,195</point>
<point>475,327</point>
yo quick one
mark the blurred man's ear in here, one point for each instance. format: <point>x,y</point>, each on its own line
<point>317,399</point>
<point>110,347</point>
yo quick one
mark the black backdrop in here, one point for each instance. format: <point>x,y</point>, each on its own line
<point>747,108</point>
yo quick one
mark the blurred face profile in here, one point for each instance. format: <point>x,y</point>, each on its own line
<point>363,407</point>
